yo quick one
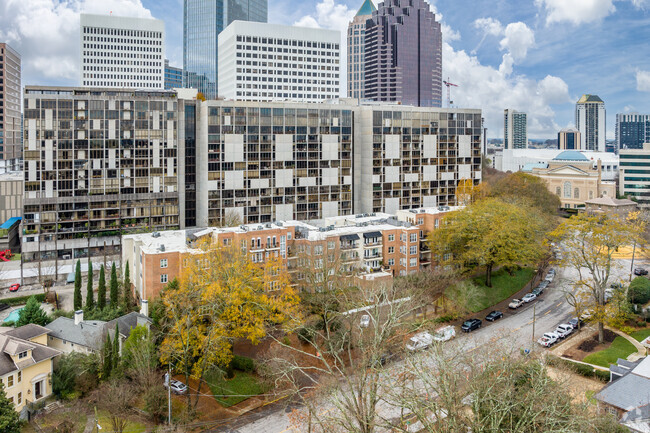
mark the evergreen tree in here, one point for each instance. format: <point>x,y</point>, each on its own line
<point>101,289</point>
<point>114,287</point>
<point>107,362</point>
<point>90,296</point>
<point>9,418</point>
<point>116,348</point>
<point>77,287</point>
<point>32,313</point>
<point>128,292</point>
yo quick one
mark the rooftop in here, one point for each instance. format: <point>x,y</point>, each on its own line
<point>630,391</point>
<point>610,201</point>
<point>367,8</point>
<point>571,155</point>
<point>12,176</point>
<point>528,168</point>
<point>590,98</point>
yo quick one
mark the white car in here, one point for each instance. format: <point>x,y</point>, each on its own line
<point>529,297</point>
<point>548,339</point>
<point>365,321</point>
<point>445,333</point>
<point>550,277</point>
<point>177,386</point>
<point>419,342</point>
<point>515,303</point>
<point>564,330</point>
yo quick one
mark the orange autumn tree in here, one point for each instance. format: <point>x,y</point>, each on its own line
<point>222,295</point>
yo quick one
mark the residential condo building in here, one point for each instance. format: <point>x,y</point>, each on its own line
<point>403,54</point>
<point>203,20</point>
<point>11,149</point>
<point>98,163</point>
<point>590,121</point>
<point>173,76</point>
<point>634,177</point>
<point>356,50</point>
<point>272,62</point>
<point>122,52</point>
<point>515,129</point>
<point>568,139</point>
<point>632,130</point>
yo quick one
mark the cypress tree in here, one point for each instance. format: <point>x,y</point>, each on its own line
<point>116,348</point>
<point>114,287</point>
<point>90,296</point>
<point>77,287</point>
<point>101,289</point>
<point>107,365</point>
<point>128,292</point>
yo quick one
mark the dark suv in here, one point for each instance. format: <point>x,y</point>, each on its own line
<point>470,325</point>
<point>640,271</point>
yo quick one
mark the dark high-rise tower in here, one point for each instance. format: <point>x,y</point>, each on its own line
<point>403,54</point>
<point>203,20</point>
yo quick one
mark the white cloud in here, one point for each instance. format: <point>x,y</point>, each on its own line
<point>46,34</point>
<point>577,11</point>
<point>553,90</point>
<point>518,39</point>
<point>490,26</point>
<point>643,81</point>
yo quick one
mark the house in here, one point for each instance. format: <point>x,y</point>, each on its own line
<point>610,206</point>
<point>26,364</point>
<point>627,395</point>
<point>87,336</point>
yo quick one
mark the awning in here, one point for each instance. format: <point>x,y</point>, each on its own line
<point>372,235</point>
<point>350,238</point>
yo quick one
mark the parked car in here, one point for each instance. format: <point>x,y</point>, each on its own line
<point>537,291</point>
<point>564,330</point>
<point>640,271</point>
<point>177,386</point>
<point>515,303</point>
<point>544,284</point>
<point>471,324</point>
<point>575,322</point>
<point>419,342</point>
<point>586,315</point>
<point>529,297</point>
<point>548,339</point>
<point>445,333</point>
<point>365,321</point>
<point>551,271</point>
<point>14,287</point>
<point>609,294</point>
<point>494,315</point>
<point>550,277</point>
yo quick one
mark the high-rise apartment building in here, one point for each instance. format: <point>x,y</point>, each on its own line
<point>11,148</point>
<point>568,139</point>
<point>515,129</point>
<point>632,130</point>
<point>403,54</point>
<point>272,62</point>
<point>203,20</point>
<point>634,174</point>
<point>357,48</point>
<point>122,52</point>
<point>173,77</point>
<point>98,162</point>
<point>590,121</point>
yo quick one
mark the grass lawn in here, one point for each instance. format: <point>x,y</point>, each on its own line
<point>131,427</point>
<point>620,348</point>
<point>641,334</point>
<point>504,285</point>
<point>15,256</point>
<point>229,392</point>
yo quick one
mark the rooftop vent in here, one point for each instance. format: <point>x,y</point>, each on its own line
<point>155,234</point>
<point>162,247</point>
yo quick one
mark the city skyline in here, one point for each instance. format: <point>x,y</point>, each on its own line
<point>536,56</point>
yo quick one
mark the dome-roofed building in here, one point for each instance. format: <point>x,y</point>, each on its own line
<point>571,155</point>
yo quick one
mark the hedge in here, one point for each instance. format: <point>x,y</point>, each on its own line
<point>242,363</point>
<point>21,300</point>
<point>582,369</point>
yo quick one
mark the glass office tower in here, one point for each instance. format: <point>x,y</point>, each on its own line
<point>203,20</point>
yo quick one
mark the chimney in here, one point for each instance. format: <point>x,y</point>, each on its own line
<point>144,307</point>
<point>78,317</point>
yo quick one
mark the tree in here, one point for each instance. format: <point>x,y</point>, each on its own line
<point>128,290</point>
<point>428,286</point>
<point>32,313</point>
<point>107,357</point>
<point>467,193</point>
<point>639,290</point>
<point>90,296</point>
<point>117,398</point>
<point>75,373</point>
<point>590,242</point>
<point>9,418</point>
<point>489,233</point>
<point>101,289</point>
<point>520,187</point>
<point>77,287</point>
<point>222,295</point>
<point>115,351</point>
<point>114,288</point>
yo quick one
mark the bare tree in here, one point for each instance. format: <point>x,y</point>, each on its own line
<point>116,398</point>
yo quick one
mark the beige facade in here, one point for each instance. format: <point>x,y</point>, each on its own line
<point>572,177</point>
<point>11,196</point>
<point>610,206</point>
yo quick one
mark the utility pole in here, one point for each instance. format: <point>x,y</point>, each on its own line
<point>533,336</point>
<point>169,393</point>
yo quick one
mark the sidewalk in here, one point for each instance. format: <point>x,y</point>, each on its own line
<point>640,350</point>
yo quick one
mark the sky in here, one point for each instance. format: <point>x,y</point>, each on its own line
<point>536,56</point>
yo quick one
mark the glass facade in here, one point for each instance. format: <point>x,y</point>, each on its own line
<point>203,20</point>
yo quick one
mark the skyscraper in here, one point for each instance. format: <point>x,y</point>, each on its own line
<point>515,129</point>
<point>568,139</point>
<point>632,130</point>
<point>122,52</point>
<point>356,49</point>
<point>403,54</point>
<point>203,20</point>
<point>11,147</point>
<point>173,76</point>
<point>590,121</point>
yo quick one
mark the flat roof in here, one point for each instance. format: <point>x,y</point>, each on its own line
<point>10,222</point>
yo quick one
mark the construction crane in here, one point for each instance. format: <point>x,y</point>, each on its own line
<point>449,85</point>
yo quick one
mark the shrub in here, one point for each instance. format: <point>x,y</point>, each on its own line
<point>602,375</point>
<point>447,318</point>
<point>639,290</point>
<point>305,334</point>
<point>20,300</point>
<point>584,370</point>
<point>286,340</point>
<point>243,363</point>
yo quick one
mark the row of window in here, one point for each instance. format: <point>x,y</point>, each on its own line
<point>287,42</point>
<point>121,32</point>
<point>10,379</point>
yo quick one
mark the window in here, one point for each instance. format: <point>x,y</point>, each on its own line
<point>318,250</point>
<point>163,278</point>
<point>576,193</point>
<point>20,376</point>
<point>567,189</point>
<point>391,262</point>
<point>414,237</point>
<point>163,263</point>
<point>330,245</point>
<point>10,381</point>
<point>558,191</point>
<point>391,250</point>
<point>413,250</point>
<point>391,238</point>
<point>318,263</point>
<point>413,263</point>
<point>420,221</point>
<point>22,355</point>
<point>591,195</point>
<point>19,399</point>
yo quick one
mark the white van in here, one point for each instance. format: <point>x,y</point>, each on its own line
<point>419,342</point>
<point>445,333</point>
